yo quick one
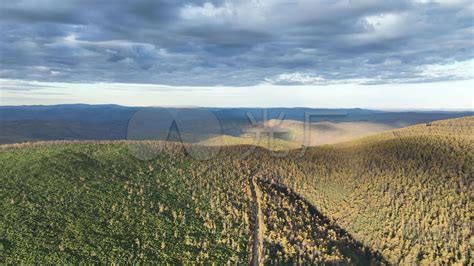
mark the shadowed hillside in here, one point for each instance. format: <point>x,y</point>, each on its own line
<point>296,232</point>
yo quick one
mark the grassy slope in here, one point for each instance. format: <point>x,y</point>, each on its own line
<point>404,193</point>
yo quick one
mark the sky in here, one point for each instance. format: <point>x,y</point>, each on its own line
<point>327,53</point>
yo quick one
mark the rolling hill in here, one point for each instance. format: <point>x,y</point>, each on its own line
<point>402,196</point>
<point>322,133</point>
<point>264,142</point>
<point>405,193</point>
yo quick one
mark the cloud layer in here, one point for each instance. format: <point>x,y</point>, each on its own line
<point>236,43</point>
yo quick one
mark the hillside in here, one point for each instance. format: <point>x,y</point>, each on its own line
<point>264,142</point>
<point>401,196</point>
<point>95,202</point>
<point>321,133</point>
<point>404,193</point>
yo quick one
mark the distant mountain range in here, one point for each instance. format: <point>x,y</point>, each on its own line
<point>110,122</point>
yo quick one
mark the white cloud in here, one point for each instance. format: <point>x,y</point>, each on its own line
<point>435,96</point>
<point>455,70</point>
<point>207,10</point>
<point>458,70</point>
<point>297,78</point>
<point>385,22</point>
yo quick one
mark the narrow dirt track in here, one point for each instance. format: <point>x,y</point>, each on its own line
<point>258,232</point>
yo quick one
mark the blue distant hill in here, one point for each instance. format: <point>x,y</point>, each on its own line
<point>109,122</point>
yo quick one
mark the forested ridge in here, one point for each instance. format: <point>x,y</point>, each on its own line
<point>405,193</point>
<point>400,197</point>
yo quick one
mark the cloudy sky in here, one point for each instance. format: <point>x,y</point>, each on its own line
<point>317,53</point>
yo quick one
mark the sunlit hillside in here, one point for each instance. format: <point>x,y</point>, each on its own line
<point>320,133</point>
<point>404,193</point>
<point>263,141</point>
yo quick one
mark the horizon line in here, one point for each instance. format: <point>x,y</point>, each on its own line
<point>247,107</point>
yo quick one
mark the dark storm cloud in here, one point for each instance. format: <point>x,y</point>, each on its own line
<point>236,43</point>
